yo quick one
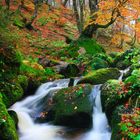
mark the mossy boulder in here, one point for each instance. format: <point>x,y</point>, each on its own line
<point>7,125</point>
<point>68,70</point>
<point>98,63</point>
<point>100,76</point>
<point>72,107</point>
<point>110,95</point>
<point>14,117</point>
<point>10,93</point>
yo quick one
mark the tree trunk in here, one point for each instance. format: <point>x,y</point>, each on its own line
<point>88,31</point>
<point>8,4</point>
<point>81,3</point>
<point>77,15</point>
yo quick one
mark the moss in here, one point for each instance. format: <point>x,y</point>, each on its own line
<point>69,102</point>
<point>7,126</point>
<point>10,60</point>
<point>90,45</point>
<point>100,76</point>
<point>11,93</point>
<point>23,81</point>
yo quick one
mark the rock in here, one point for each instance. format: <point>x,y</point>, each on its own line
<point>71,83</point>
<point>45,62</point>
<point>110,96</point>
<point>7,125</point>
<point>14,116</point>
<point>98,63</point>
<point>72,107</point>
<point>100,76</point>
<point>10,93</point>
<point>68,70</point>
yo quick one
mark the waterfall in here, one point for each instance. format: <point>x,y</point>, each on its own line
<point>28,109</point>
<point>100,129</point>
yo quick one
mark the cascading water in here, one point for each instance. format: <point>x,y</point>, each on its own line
<point>100,130</point>
<point>28,109</point>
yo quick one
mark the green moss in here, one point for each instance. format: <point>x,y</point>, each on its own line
<point>90,45</point>
<point>100,76</point>
<point>7,126</point>
<point>23,81</point>
<point>18,22</point>
<point>10,93</point>
<point>72,100</point>
<point>10,60</point>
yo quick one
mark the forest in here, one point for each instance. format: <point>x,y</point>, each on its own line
<point>69,69</point>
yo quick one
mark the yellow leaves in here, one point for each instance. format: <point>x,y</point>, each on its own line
<point>106,5</point>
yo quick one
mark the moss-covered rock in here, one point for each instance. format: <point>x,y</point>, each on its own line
<point>68,70</point>
<point>14,116</point>
<point>10,93</point>
<point>100,76</point>
<point>110,97</point>
<point>72,107</point>
<point>7,125</point>
<point>99,63</point>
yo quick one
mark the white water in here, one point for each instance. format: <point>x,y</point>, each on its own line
<point>123,72</point>
<point>28,130</point>
<point>100,130</point>
<point>30,107</point>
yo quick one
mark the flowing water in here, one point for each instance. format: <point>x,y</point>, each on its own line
<point>28,109</point>
<point>100,129</point>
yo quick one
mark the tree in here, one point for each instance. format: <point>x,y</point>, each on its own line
<point>107,12</point>
<point>7,3</point>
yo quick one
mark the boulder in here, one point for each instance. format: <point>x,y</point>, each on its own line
<point>7,125</point>
<point>98,63</point>
<point>11,93</point>
<point>72,107</point>
<point>110,95</point>
<point>68,70</point>
<point>14,117</point>
<point>100,76</point>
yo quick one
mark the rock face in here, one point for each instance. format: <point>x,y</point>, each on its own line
<point>120,102</point>
<point>69,107</point>
<point>7,125</point>
<point>110,95</point>
<point>100,76</point>
<point>72,107</point>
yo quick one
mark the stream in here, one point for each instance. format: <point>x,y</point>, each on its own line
<point>28,109</point>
